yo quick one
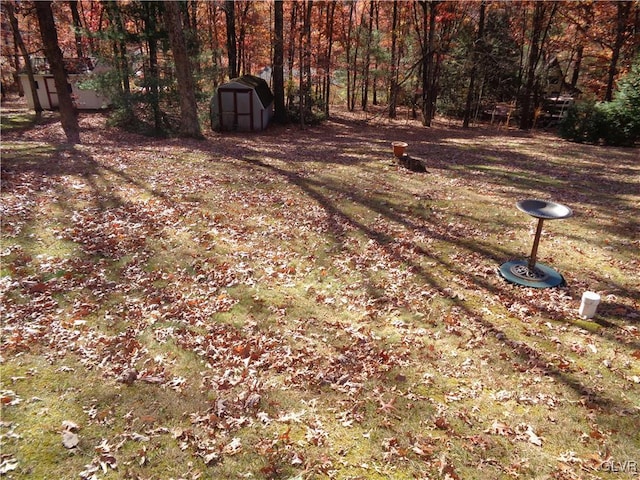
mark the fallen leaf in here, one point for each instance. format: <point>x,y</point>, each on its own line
<point>527,433</point>
<point>446,470</point>
<point>70,426</point>
<point>499,428</point>
<point>233,447</point>
<point>8,465</point>
<point>70,439</point>
<point>139,438</point>
<point>442,423</point>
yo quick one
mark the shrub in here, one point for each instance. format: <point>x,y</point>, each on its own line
<point>615,123</point>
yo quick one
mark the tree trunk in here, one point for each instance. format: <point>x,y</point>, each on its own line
<point>216,51</point>
<point>474,67</point>
<point>576,66</point>
<point>280,114</point>
<point>393,81</point>
<point>429,76</point>
<point>243,66</point>
<point>623,10</point>
<point>16,65</point>
<point>538,36</point>
<point>376,66</point>
<point>189,124</point>
<point>526,120</point>
<point>304,61</point>
<point>366,68</point>
<point>291,51</point>
<point>192,38</point>
<point>68,117</point>
<point>232,52</point>
<point>353,65</point>
<point>152,80</point>
<point>327,72</point>
<point>25,55</point>
<point>121,62</point>
<point>77,27</point>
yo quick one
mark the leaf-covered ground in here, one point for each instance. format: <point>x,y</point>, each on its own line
<point>293,304</point>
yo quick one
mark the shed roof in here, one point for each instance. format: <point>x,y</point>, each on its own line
<point>259,85</point>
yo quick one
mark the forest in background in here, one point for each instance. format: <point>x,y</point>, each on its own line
<point>457,58</point>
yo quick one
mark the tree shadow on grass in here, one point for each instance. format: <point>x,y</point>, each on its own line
<point>582,175</point>
<point>308,148</point>
<point>528,354</point>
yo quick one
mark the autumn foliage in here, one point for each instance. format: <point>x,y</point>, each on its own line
<point>457,58</point>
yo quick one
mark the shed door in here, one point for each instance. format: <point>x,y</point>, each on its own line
<point>244,112</point>
<point>51,92</point>
<point>236,109</point>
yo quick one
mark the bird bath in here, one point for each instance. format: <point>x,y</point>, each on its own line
<point>530,273</point>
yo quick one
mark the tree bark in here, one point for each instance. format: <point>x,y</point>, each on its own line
<point>121,61</point>
<point>623,11</point>
<point>429,74</point>
<point>538,36</point>
<point>291,51</point>
<point>280,114</point>
<point>366,67</point>
<point>77,26</point>
<point>152,77</point>
<point>393,81</point>
<point>306,61</point>
<point>327,72</point>
<point>37,107</point>
<point>232,51</point>
<point>189,124</point>
<point>474,67</point>
<point>576,66</point>
<point>68,116</point>
<point>352,60</point>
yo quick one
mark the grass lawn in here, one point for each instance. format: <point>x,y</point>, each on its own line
<point>294,305</point>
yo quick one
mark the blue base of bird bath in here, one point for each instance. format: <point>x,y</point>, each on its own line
<point>528,272</point>
<point>542,276</point>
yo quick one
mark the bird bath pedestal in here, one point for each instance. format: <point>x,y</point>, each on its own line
<point>528,272</point>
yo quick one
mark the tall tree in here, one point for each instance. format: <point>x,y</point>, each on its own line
<point>190,12</point>
<point>331,8</point>
<point>151,11</point>
<point>305,64</point>
<point>68,116</point>
<point>475,58</point>
<point>291,51</point>
<point>118,36</point>
<point>216,51</point>
<point>77,27</point>
<point>280,115</point>
<point>189,124</point>
<point>232,51</point>
<point>623,10</point>
<point>243,52</point>
<point>9,8</point>
<point>429,61</point>
<point>351,52</point>
<point>366,64</point>
<point>543,13</point>
<point>393,81</point>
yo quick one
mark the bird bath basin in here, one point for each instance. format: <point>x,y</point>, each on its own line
<point>543,209</point>
<point>529,272</point>
<point>399,148</point>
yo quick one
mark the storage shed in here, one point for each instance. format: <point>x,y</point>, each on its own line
<point>243,104</point>
<point>78,71</point>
